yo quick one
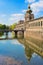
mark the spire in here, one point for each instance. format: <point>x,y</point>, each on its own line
<point>29,10</point>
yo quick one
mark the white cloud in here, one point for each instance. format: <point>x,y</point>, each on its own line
<point>11,18</point>
<point>14,18</point>
<point>17,14</point>
<point>30,1</point>
<point>24,11</point>
<point>37,7</point>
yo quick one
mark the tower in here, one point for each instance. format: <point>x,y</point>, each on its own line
<point>29,16</point>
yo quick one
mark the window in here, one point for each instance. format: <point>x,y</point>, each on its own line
<point>38,23</point>
<point>41,23</point>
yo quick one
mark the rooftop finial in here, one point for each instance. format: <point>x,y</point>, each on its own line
<point>29,6</point>
<point>29,10</point>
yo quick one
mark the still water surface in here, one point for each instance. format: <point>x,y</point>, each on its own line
<point>12,52</point>
<point>15,50</point>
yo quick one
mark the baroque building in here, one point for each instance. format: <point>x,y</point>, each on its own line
<point>29,16</point>
<point>33,27</point>
<point>33,32</point>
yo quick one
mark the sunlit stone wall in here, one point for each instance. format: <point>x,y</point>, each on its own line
<point>34,29</point>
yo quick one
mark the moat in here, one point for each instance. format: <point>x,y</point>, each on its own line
<point>12,52</point>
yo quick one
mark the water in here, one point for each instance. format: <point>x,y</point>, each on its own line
<point>12,52</point>
<point>15,50</point>
<point>9,35</point>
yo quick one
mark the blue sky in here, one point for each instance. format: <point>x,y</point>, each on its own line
<point>11,11</point>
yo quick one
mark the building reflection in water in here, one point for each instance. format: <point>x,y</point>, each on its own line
<point>29,51</point>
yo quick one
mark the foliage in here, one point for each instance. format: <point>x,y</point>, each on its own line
<point>12,26</point>
<point>2,27</point>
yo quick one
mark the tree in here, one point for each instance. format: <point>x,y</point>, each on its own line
<point>13,26</point>
<point>2,27</point>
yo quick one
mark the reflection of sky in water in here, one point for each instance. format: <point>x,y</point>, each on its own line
<point>9,61</point>
<point>13,49</point>
<point>9,35</point>
<point>36,60</point>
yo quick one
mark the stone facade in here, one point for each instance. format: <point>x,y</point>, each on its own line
<point>29,16</point>
<point>33,27</point>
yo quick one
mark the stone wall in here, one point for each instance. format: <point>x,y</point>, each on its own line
<point>36,30</point>
<point>32,28</point>
<point>34,34</point>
